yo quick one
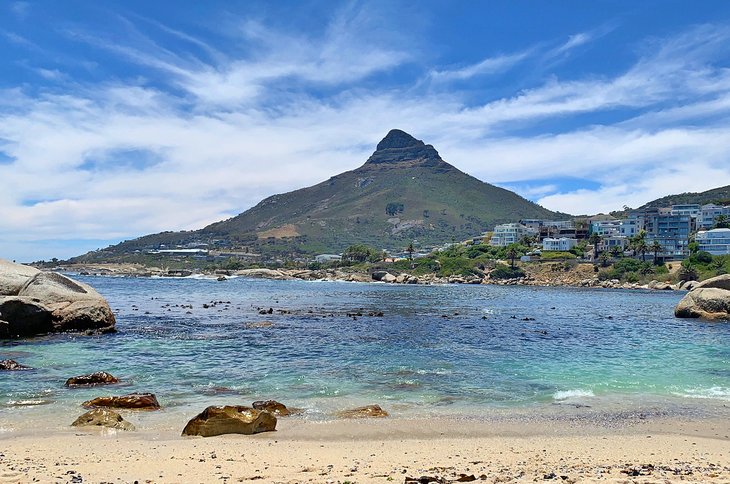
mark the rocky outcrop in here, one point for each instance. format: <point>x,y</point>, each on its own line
<point>14,276</point>
<point>262,274</point>
<point>93,379</point>
<point>12,365</point>
<point>47,302</point>
<point>101,417</point>
<point>709,299</point>
<point>273,407</point>
<point>134,401</point>
<point>368,411</point>
<point>230,419</point>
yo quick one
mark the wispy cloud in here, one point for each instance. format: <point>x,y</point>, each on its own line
<point>217,131</point>
<point>490,65</point>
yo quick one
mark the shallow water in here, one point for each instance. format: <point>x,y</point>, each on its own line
<point>436,350</point>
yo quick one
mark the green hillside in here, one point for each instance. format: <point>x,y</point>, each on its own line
<point>720,196</point>
<point>404,192</point>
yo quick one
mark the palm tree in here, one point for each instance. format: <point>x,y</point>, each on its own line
<point>657,248</point>
<point>639,244</point>
<point>511,253</point>
<point>410,251</point>
<point>595,239</point>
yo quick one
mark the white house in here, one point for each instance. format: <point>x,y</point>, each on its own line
<point>716,241</point>
<point>506,234</point>
<point>709,213</point>
<point>562,244</point>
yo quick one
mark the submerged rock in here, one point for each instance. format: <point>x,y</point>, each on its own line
<point>101,417</point>
<point>709,299</point>
<point>12,365</point>
<point>93,379</point>
<point>230,419</point>
<point>368,411</point>
<point>136,401</point>
<point>47,302</point>
<point>273,407</point>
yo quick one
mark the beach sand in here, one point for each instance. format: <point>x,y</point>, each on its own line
<point>380,451</point>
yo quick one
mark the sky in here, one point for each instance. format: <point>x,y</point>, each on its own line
<point>124,118</point>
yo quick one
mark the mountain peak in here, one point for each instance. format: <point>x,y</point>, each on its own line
<point>400,146</point>
<point>397,138</point>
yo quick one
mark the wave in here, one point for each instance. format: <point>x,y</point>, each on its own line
<point>570,394</point>
<point>714,393</point>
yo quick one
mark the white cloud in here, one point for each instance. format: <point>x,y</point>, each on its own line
<point>221,145</point>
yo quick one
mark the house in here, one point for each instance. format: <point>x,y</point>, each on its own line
<point>506,234</point>
<point>324,258</point>
<point>610,242</point>
<point>606,228</point>
<point>563,244</point>
<point>709,213</point>
<point>715,241</point>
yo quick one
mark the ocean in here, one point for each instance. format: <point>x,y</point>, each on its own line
<point>469,351</point>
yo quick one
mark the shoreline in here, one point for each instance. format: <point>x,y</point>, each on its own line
<point>381,451</point>
<point>585,280</point>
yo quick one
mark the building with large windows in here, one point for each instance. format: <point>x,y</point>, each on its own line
<point>506,234</point>
<point>716,241</point>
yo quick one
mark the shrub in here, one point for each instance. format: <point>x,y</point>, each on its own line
<point>505,272</point>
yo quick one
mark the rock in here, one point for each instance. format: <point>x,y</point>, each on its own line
<point>705,302</point>
<point>13,276</point>
<point>368,411</point>
<point>719,282</point>
<point>230,419</point>
<point>221,278</point>
<point>25,316</point>
<point>689,285</point>
<point>48,302</point>
<point>709,299</point>
<point>273,407</point>
<point>262,274</point>
<point>101,417</point>
<point>93,379</point>
<point>12,365</point>
<point>388,277</point>
<point>136,401</point>
<point>663,286</point>
<point>259,324</point>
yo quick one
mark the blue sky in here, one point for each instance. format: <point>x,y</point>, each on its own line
<point>119,119</point>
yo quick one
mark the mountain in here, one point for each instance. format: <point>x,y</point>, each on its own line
<point>720,196</point>
<point>403,192</point>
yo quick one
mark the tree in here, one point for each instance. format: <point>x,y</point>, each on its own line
<point>511,254</point>
<point>595,239</point>
<point>605,259</point>
<point>360,253</point>
<point>617,251</point>
<point>638,243</point>
<point>410,251</point>
<point>657,249</point>
<point>722,222</point>
<point>687,272</point>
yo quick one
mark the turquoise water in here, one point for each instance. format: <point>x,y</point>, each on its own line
<point>435,349</point>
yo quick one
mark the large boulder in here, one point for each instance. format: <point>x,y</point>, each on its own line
<point>101,417</point>
<point>14,276</point>
<point>134,401</point>
<point>710,299</point>
<point>230,419</point>
<point>12,365</point>
<point>48,302</point>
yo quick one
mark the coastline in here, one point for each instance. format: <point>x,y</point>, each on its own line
<point>666,449</point>
<point>583,276</point>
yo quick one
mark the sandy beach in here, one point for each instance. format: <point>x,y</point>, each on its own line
<point>443,450</point>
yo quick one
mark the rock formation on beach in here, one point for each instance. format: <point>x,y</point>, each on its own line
<point>35,303</point>
<point>101,417</point>
<point>230,419</point>
<point>134,401</point>
<point>709,299</point>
